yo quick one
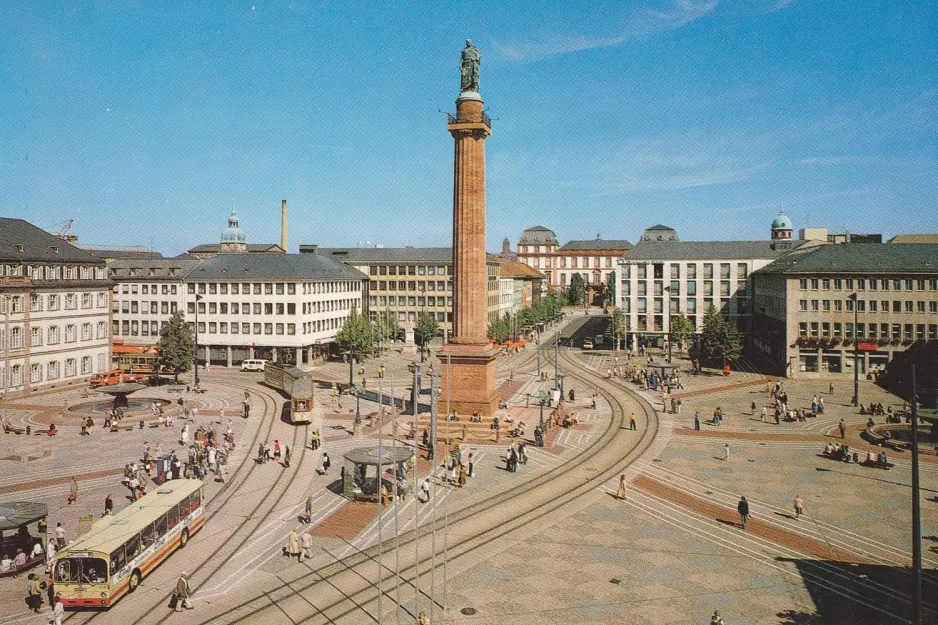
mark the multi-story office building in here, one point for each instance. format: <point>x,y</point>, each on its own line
<point>146,293</point>
<point>54,310</point>
<point>815,309</point>
<point>402,281</point>
<point>280,307</point>
<point>663,278</point>
<point>594,260</point>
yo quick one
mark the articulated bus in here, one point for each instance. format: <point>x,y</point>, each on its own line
<point>295,384</point>
<point>109,561</point>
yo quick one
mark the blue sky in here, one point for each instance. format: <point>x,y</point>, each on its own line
<point>145,122</point>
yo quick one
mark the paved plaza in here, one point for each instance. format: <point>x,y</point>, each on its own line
<point>672,552</point>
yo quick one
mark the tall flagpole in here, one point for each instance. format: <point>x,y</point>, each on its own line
<point>397,553</point>
<point>380,510</point>
<point>449,386</point>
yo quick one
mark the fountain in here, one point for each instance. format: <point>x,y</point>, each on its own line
<point>121,391</point>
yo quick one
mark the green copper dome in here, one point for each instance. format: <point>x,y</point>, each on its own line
<point>782,222</point>
<point>233,233</point>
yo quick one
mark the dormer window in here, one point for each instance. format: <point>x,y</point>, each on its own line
<point>54,248</point>
<point>19,247</point>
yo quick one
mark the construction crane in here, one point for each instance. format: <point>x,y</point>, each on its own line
<point>66,233</point>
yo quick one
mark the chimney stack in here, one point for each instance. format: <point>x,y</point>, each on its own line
<point>283,225</point>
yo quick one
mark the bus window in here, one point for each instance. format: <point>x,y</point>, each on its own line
<point>132,548</point>
<point>183,509</point>
<point>117,560</point>
<point>160,526</point>
<point>195,500</point>
<point>172,517</point>
<point>93,571</point>
<point>81,571</point>
<point>63,572</point>
<point>146,536</point>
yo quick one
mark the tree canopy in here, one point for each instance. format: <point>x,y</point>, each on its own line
<point>576,292</point>
<point>720,341</point>
<point>681,330</point>
<point>499,329</point>
<point>615,329</point>
<point>355,336</point>
<point>176,347</point>
<point>427,328</point>
<point>611,288</point>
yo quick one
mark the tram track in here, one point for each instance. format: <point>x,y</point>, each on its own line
<point>493,518</point>
<point>217,503</point>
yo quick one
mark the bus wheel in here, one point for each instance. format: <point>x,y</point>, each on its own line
<point>134,581</point>
<point>183,538</point>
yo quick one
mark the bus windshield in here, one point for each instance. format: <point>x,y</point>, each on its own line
<point>81,571</point>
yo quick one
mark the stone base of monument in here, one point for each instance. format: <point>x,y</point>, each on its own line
<point>467,379</point>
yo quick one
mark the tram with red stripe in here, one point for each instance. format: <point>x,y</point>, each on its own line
<point>112,558</point>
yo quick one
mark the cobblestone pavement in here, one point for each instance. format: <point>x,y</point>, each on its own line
<point>671,553</point>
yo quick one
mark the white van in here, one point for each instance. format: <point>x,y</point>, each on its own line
<point>253,365</point>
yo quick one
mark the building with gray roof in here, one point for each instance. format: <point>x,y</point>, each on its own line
<point>664,278</point>
<point>54,307</point>
<point>817,309</point>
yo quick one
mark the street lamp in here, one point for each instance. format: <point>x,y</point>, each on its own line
<point>667,290</point>
<point>856,350</point>
<point>198,298</point>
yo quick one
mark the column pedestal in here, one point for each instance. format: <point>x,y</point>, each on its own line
<point>467,379</point>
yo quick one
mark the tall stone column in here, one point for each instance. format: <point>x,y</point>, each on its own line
<point>468,371</point>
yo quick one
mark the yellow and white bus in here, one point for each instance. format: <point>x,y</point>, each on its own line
<point>109,561</point>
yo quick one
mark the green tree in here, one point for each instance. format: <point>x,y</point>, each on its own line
<point>355,336</point>
<point>720,341</point>
<point>681,330</point>
<point>618,323</point>
<point>499,329</point>
<point>386,327</point>
<point>427,328</point>
<point>611,288</point>
<point>176,347</point>
<point>576,293</point>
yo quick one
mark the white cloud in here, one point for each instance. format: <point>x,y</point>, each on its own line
<point>642,25</point>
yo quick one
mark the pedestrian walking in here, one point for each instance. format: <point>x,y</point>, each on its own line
<point>73,492</point>
<point>324,464</point>
<point>34,592</point>
<point>621,493</point>
<point>58,611</point>
<point>59,535</point>
<point>830,388</point>
<point>286,456</point>
<point>471,462</point>
<point>260,453</point>
<point>764,413</point>
<point>425,490</point>
<point>307,544</point>
<point>293,548</point>
<point>277,450</point>
<point>716,619</point>
<point>108,505</point>
<point>752,408</point>
<point>743,508</point>
<point>183,593</point>
<point>799,506</point>
<point>314,441</point>
<point>843,429</point>
<point>726,452</point>
<point>632,420</point>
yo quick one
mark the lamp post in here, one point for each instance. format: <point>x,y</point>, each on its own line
<point>856,351</point>
<point>198,298</point>
<point>916,515</point>
<point>667,290</point>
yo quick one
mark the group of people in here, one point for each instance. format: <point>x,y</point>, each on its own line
<point>515,455</point>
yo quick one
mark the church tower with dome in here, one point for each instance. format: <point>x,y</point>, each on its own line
<point>781,228</point>
<point>233,240</point>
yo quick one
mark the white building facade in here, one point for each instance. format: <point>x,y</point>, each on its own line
<point>146,293</point>
<point>661,279</point>
<point>54,310</point>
